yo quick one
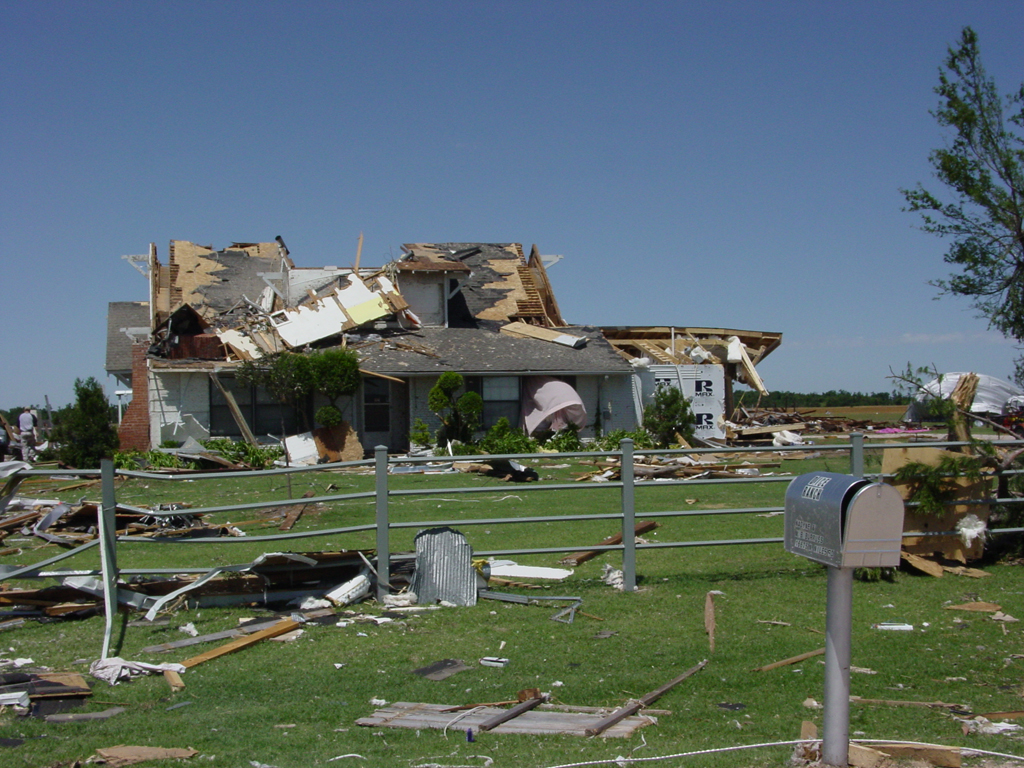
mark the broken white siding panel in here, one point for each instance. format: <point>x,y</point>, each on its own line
<point>343,309</point>
<point>312,322</point>
<point>702,385</point>
<point>179,405</point>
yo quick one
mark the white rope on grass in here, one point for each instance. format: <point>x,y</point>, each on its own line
<point>622,761</point>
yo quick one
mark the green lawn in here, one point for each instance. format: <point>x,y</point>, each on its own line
<point>287,705</point>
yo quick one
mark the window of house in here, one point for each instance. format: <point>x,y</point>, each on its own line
<point>261,412</point>
<point>376,404</point>
<point>501,398</point>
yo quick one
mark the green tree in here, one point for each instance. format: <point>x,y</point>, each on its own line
<point>982,169</point>
<point>668,414</point>
<point>84,433</point>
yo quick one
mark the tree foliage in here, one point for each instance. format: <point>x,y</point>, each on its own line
<point>982,170</point>
<point>292,377</point>
<point>84,433</point>
<point>668,414</point>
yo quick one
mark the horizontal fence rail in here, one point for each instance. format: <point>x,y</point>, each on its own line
<point>384,522</point>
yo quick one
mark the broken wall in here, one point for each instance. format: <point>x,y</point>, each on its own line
<point>702,385</point>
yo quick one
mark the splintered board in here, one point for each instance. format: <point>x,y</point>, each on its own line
<point>404,714</point>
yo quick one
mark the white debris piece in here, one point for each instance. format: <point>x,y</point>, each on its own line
<point>971,527</point>
<point>612,576</point>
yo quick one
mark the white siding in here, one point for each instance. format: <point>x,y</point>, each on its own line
<point>609,403</point>
<point>179,406</point>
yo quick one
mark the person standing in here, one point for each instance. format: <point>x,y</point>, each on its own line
<point>27,425</point>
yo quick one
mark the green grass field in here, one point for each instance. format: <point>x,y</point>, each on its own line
<point>289,705</point>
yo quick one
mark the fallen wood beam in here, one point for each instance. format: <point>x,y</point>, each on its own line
<point>632,708</point>
<point>791,660</point>
<point>516,711</point>
<point>581,557</point>
<point>897,703</point>
<point>285,625</point>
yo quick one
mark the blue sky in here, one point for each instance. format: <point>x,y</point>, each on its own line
<point>730,164</point>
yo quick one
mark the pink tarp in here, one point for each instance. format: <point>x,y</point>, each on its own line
<point>551,403</point>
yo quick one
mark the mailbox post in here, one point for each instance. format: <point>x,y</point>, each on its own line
<point>844,522</point>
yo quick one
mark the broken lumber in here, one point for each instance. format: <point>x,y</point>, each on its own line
<point>581,557</point>
<point>791,660</point>
<point>630,709</point>
<point>933,754</point>
<point>285,625</point>
<point>526,331</point>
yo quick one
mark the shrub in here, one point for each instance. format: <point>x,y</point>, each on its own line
<point>668,415</point>
<point>420,433</point>
<point>566,440</point>
<point>328,416</point>
<point>258,456</point>
<point>459,414</point>
<point>610,442</point>
<point>503,438</point>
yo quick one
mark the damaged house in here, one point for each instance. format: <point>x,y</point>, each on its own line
<point>483,310</point>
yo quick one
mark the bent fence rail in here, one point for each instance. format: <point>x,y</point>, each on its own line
<point>384,523</point>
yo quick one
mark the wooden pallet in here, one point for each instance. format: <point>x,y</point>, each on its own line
<point>404,714</point>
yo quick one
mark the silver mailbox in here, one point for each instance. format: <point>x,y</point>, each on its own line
<point>843,521</point>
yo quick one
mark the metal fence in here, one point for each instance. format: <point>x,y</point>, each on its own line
<point>109,541</point>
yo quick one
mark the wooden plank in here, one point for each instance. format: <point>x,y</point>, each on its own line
<point>236,412</point>
<point>174,680</point>
<point>791,660</point>
<point>285,625</point>
<point>581,557</point>
<point>943,757</point>
<point>527,331</point>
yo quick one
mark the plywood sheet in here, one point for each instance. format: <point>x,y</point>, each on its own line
<point>404,714</point>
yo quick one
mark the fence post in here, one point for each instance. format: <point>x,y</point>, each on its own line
<point>628,517</point>
<point>108,551</point>
<point>383,545</point>
<point>857,454</point>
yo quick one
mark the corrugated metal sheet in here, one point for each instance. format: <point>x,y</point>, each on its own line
<point>444,568</point>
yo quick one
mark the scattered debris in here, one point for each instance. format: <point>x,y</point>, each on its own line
<point>441,670</point>
<point>116,670</point>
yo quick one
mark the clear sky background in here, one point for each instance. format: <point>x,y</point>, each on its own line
<point>731,164</point>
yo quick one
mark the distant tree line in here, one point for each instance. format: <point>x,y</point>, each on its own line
<point>834,398</point>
